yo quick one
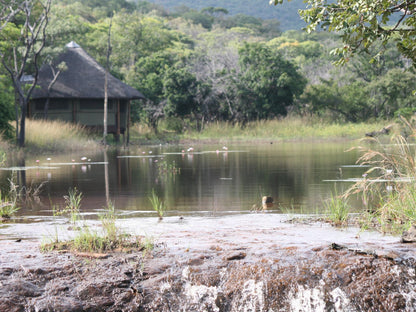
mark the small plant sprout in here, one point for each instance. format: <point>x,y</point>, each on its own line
<point>158,205</point>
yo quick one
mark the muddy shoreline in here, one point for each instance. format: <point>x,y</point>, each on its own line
<point>212,265</point>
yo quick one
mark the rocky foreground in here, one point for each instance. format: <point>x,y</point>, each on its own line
<point>249,267</point>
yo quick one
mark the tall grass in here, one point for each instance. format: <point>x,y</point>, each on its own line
<point>56,136</point>
<point>282,129</point>
<point>388,188</point>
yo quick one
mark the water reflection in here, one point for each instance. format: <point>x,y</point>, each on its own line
<point>208,179</point>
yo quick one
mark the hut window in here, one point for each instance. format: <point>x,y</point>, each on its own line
<point>40,106</point>
<point>95,105</point>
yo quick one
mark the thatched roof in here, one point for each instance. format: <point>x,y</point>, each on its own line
<point>83,78</point>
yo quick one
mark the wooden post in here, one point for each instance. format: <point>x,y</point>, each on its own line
<point>128,122</point>
<point>74,111</point>
<point>107,69</point>
<point>118,121</point>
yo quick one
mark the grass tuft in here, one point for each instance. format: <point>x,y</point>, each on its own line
<point>158,205</point>
<point>86,239</point>
<point>337,209</point>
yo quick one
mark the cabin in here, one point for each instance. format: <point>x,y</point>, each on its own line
<point>77,95</point>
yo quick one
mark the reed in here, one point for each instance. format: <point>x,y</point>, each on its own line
<point>388,188</point>
<point>57,136</point>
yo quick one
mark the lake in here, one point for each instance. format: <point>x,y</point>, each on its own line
<point>193,180</point>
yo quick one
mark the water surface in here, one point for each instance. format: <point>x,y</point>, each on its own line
<point>195,180</point>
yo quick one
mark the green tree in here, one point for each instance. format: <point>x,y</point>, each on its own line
<point>361,23</point>
<point>346,102</point>
<point>6,107</point>
<point>148,78</point>
<point>392,92</point>
<point>21,44</point>
<point>180,89</point>
<point>268,84</point>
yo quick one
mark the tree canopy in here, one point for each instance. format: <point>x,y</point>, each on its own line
<point>361,23</point>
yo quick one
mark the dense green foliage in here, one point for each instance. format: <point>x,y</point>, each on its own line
<point>198,66</point>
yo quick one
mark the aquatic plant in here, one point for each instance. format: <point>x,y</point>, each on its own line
<point>8,207</point>
<point>72,205</point>
<point>337,209</point>
<point>167,168</point>
<point>26,194</point>
<point>88,239</point>
<point>158,205</point>
<point>108,220</point>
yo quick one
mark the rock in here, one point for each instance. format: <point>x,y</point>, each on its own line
<point>409,236</point>
<point>23,288</point>
<point>267,202</point>
<point>11,305</point>
<point>235,256</point>
<point>58,304</point>
<point>385,130</point>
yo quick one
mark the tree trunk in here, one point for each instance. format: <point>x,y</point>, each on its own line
<point>45,111</point>
<point>23,105</point>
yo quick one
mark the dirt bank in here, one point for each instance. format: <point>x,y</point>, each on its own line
<point>229,264</point>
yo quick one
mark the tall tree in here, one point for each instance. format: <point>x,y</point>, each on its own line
<point>268,84</point>
<point>24,39</point>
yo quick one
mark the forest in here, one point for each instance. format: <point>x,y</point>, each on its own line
<point>197,66</point>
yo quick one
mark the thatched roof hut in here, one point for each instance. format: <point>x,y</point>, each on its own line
<point>78,93</point>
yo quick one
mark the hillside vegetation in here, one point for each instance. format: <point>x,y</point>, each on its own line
<point>286,14</point>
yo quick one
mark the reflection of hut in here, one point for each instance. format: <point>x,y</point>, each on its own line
<point>78,93</point>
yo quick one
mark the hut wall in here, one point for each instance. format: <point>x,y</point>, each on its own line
<point>88,112</point>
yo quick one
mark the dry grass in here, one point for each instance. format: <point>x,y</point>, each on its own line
<point>58,136</point>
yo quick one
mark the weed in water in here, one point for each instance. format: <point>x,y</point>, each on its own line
<point>8,207</point>
<point>165,168</point>
<point>88,239</point>
<point>158,205</point>
<point>337,209</point>
<point>73,204</point>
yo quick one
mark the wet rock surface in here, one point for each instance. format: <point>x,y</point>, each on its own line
<point>214,272</point>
